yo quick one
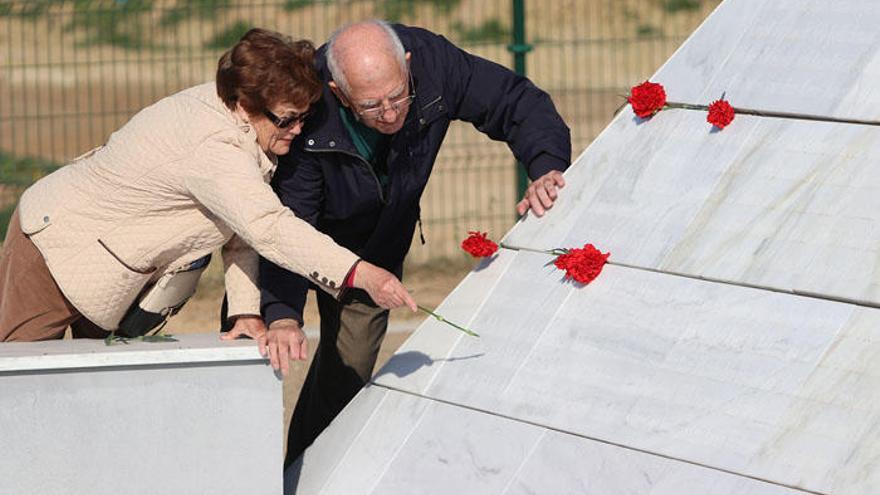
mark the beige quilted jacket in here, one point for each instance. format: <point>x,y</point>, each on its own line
<point>183,177</point>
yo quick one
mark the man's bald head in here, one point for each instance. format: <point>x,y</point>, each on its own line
<point>364,52</point>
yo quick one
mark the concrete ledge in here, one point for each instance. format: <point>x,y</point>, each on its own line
<point>195,416</point>
<point>92,353</point>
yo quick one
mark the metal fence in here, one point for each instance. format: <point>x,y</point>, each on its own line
<point>73,71</point>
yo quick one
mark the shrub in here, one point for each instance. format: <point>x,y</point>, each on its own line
<point>673,6</point>
<point>228,37</point>
<point>491,30</point>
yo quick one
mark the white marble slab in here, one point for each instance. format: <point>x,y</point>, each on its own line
<point>766,384</point>
<point>777,203</point>
<point>814,57</point>
<point>733,344</point>
<point>196,416</point>
<point>434,343</point>
<point>397,443</point>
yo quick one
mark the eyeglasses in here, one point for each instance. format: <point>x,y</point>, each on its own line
<point>378,112</point>
<point>285,122</point>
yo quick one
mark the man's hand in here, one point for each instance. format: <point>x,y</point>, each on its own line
<point>383,287</point>
<point>249,325</point>
<point>541,193</point>
<point>284,341</point>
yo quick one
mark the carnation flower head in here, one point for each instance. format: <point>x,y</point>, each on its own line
<point>647,99</point>
<point>583,265</point>
<point>478,245</point>
<point>720,113</point>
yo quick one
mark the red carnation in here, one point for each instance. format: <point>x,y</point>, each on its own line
<point>478,245</point>
<point>720,113</point>
<point>583,265</point>
<point>647,99</point>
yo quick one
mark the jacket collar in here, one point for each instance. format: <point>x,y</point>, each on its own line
<point>325,131</point>
<point>268,165</point>
<point>266,162</point>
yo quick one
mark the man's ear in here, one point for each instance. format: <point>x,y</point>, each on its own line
<point>338,93</point>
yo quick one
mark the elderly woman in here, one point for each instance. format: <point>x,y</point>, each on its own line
<point>183,177</point>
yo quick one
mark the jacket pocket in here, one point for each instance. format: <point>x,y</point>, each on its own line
<point>31,224</point>
<point>134,261</point>
<point>431,111</point>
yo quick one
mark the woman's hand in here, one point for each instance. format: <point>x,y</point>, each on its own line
<point>284,341</point>
<point>248,325</point>
<point>382,286</point>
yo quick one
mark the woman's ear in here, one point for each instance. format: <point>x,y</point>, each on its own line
<point>241,113</point>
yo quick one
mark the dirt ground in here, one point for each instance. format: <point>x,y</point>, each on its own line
<point>430,284</point>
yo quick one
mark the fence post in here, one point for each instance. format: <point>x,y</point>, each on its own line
<point>519,48</point>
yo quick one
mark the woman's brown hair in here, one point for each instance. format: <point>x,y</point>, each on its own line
<point>266,68</point>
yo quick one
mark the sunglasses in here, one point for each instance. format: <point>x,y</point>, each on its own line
<point>285,122</point>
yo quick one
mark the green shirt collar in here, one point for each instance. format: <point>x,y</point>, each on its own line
<point>366,140</point>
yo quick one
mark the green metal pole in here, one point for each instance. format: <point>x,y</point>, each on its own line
<point>519,48</point>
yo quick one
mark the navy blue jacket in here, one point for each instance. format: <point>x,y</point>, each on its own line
<point>325,182</point>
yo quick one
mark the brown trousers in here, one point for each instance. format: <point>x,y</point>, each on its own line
<point>32,306</point>
<point>351,334</point>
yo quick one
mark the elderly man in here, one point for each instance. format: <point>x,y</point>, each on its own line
<point>359,169</point>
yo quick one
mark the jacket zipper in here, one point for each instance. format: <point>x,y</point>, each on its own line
<point>435,100</point>
<point>363,161</point>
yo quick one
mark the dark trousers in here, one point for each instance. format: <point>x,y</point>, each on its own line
<point>351,334</point>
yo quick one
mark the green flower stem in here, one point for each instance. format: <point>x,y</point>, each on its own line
<point>686,106</point>
<point>444,320</point>
<point>157,337</point>
<point>553,252</point>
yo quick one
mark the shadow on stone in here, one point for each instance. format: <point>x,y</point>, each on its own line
<point>406,363</point>
<point>485,262</point>
<point>291,476</point>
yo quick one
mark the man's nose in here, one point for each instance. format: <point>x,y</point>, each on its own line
<point>389,108</point>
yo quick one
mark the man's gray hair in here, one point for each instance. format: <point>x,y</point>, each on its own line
<point>336,71</point>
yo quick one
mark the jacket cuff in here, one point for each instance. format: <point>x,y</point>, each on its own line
<point>348,283</point>
<point>544,163</point>
<point>242,308</point>
<point>278,311</point>
<point>349,279</point>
